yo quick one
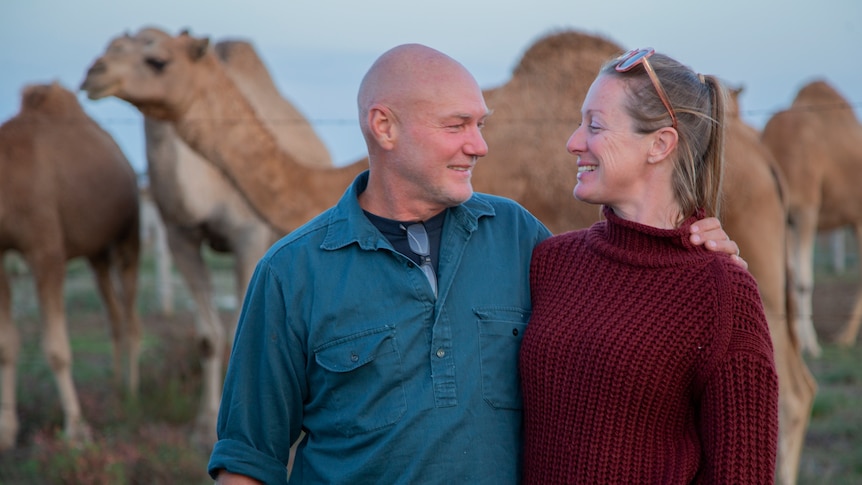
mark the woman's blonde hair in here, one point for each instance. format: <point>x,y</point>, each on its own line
<point>700,105</point>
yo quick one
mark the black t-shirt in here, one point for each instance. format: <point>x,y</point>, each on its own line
<point>396,233</point>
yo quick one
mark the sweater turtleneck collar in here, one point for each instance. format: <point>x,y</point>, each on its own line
<point>643,245</point>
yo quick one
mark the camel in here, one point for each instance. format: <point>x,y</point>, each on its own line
<point>527,162</point>
<point>199,206</point>
<point>208,104</point>
<point>66,191</point>
<point>818,143</point>
<point>754,213</point>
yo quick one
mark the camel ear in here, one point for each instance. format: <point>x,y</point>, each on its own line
<point>198,47</point>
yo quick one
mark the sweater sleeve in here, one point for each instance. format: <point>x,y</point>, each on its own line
<point>739,405</point>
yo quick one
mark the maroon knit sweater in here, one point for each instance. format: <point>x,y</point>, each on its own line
<point>646,360</point>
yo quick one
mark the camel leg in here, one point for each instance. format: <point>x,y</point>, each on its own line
<point>122,314</point>
<point>847,337</point>
<point>10,346</point>
<point>794,403</point>
<point>164,263</point>
<point>210,333</point>
<point>802,234</point>
<point>128,265</point>
<point>102,272</point>
<point>49,272</point>
<point>153,233</point>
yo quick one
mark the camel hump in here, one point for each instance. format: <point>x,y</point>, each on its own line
<point>240,55</point>
<point>818,92</point>
<point>50,100</point>
<point>291,128</point>
<point>572,48</point>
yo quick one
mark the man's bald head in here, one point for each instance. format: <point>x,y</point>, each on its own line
<point>407,75</point>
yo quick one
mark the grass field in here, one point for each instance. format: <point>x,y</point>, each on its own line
<point>145,441</point>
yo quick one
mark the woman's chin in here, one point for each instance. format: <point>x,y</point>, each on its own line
<point>581,194</point>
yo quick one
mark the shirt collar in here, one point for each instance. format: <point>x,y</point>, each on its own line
<point>347,224</point>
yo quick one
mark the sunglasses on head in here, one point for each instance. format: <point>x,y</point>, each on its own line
<point>634,57</point>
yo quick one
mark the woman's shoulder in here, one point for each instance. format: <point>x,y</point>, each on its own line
<point>735,274</point>
<point>749,316</point>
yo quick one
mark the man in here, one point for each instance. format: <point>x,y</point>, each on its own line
<point>399,369</point>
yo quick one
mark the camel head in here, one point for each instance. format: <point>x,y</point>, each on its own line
<point>151,70</point>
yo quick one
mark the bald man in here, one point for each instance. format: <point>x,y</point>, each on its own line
<point>388,327</point>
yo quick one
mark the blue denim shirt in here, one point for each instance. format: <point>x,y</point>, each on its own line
<point>341,336</point>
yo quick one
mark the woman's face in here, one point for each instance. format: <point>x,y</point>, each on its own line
<point>612,157</point>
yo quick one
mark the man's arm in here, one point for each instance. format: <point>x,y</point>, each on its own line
<point>709,232</point>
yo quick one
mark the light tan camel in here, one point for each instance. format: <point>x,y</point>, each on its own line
<point>754,214</point>
<point>206,106</point>
<point>199,206</point>
<point>818,143</point>
<point>534,114</point>
<point>66,191</point>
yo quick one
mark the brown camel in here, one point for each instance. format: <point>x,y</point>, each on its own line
<point>754,214</point>
<point>534,114</point>
<point>818,143</point>
<point>66,191</point>
<point>199,206</point>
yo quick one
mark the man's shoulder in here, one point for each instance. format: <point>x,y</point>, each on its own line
<point>309,234</point>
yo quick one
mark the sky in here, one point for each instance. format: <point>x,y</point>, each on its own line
<point>317,51</point>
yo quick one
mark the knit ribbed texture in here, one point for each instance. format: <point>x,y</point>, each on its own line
<point>646,360</point>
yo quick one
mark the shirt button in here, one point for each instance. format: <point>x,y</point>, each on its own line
<point>354,357</point>
<point>441,353</point>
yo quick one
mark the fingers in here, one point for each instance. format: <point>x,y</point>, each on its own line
<point>707,225</point>
<point>741,262</point>
<point>729,247</point>
<point>722,245</point>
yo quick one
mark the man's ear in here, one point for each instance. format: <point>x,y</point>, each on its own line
<point>381,123</point>
<point>664,143</point>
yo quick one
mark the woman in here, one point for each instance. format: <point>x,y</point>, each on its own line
<point>647,359</point>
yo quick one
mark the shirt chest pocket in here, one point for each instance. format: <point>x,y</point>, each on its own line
<point>500,332</point>
<point>363,377</point>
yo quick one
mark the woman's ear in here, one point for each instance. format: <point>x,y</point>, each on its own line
<point>664,143</point>
<point>381,123</point>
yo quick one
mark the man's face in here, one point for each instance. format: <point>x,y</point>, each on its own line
<point>440,141</point>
